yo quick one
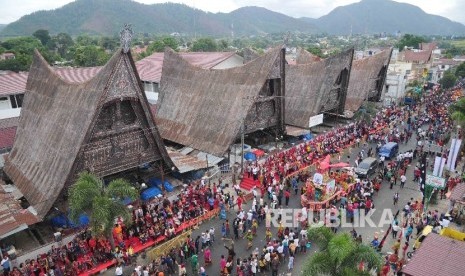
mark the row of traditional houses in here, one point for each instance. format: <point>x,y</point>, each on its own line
<point>114,118</point>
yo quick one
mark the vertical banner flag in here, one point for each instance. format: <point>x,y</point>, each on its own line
<point>439,166</point>
<point>455,154</point>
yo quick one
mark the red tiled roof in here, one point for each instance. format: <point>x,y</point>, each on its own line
<point>15,83</point>
<point>7,137</point>
<point>419,56</point>
<point>77,75</point>
<point>12,215</point>
<point>12,83</point>
<point>149,68</point>
<point>9,122</point>
<point>437,256</point>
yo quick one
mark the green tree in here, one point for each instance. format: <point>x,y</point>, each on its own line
<point>460,70</point>
<point>84,40</point>
<point>89,195</point>
<point>23,48</point>
<point>63,43</point>
<point>316,51</point>
<point>204,44</point>
<point>457,112</point>
<point>90,55</point>
<point>448,80</point>
<point>43,36</point>
<point>108,43</point>
<point>409,40</point>
<point>340,255</point>
<point>156,46</point>
<point>171,42</point>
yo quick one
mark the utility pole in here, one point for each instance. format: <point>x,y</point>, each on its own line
<point>242,147</point>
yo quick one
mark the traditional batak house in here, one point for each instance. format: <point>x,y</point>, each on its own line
<point>367,80</point>
<point>208,109</point>
<point>315,86</point>
<point>102,125</point>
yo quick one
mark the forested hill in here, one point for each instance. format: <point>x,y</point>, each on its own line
<point>376,16</point>
<point>105,17</point>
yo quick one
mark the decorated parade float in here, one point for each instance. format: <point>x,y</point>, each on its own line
<point>328,183</point>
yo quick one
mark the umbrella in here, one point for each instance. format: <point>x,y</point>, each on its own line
<point>339,165</point>
<point>250,156</point>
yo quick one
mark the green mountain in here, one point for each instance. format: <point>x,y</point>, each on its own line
<point>376,16</point>
<point>2,26</point>
<point>105,17</point>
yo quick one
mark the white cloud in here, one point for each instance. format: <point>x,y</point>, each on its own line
<point>452,9</point>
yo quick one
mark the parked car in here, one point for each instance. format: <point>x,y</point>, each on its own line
<point>367,167</point>
<point>389,150</point>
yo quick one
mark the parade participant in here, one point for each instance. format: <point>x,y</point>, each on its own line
<point>249,236</point>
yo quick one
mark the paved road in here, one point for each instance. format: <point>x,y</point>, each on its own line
<point>382,201</point>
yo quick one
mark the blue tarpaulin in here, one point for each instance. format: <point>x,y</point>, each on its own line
<point>250,156</point>
<point>150,193</point>
<point>62,221</point>
<point>307,137</point>
<point>156,182</point>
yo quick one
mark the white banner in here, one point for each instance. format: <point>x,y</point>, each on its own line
<point>456,153</point>
<point>315,120</point>
<point>434,181</point>
<point>438,167</point>
<point>454,150</point>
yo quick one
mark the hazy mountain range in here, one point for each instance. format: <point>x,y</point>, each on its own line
<point>105,17</point>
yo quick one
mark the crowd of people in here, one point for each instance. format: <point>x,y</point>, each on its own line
<point>277,180</point>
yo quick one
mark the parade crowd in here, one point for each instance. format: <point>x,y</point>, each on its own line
<point>277,181</point>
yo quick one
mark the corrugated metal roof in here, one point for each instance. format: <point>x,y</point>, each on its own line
<point>458,193</point>
<point>150,68</point>
<point>186,163</point>
<point>296,131</point>
<point>12,216</point>
<point>437,256</point>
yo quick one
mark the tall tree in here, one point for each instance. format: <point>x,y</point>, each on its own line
<point>460,70</point>
<point>63,43</point>
<point>204,44</point>
<point>43,36</point>
<point>340,255</point>
<point>89,56</point>
<point>409,40</point>
<point>448,80</point>
<point>103,204</point>
<point>457,112</point>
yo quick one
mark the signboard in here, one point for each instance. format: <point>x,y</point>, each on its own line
<point>434,181</point>
<point>315,120</point>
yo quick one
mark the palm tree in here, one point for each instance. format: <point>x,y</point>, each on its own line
<point>101,203</point>
<point>339,255</point>
<point>457,111</point>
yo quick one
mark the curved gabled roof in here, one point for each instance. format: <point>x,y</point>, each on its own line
<point>56,117</point>
<point>363,78</point>
<point>308,84</point>
<point>203,108</point>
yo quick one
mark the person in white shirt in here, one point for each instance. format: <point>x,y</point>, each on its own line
<point>119,270</point>
<point>403,179</point>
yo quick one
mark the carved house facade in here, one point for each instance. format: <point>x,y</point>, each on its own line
<point>103,125</point>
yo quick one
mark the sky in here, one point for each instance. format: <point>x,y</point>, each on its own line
<point>452,9</point>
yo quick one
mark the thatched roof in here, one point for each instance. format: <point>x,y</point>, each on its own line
<point>303,56</point>
<point>204,108</point>
<point>367,79</point>
<point>309,86</point>
<point>57,122</point>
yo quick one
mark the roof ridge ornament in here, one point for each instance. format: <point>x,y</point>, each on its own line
<point>126,37</point>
